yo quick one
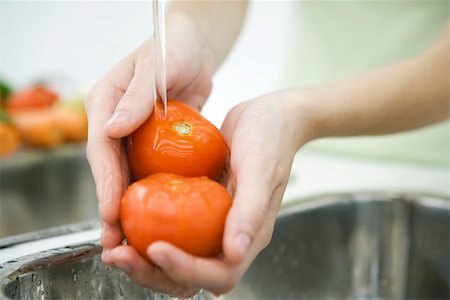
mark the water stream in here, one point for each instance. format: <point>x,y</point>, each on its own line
<point>159,52</point>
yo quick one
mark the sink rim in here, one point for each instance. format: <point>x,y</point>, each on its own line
<point>48,233</point>
<point>320,200</point>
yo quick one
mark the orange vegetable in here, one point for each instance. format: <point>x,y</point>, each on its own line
<point>9,139</point>
<point>32,98</point>
<point>73,123</point>
<point>39,127</point>
<point>187,212</point>
<point>183,143</point>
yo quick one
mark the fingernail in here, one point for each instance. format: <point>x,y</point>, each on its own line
<point>242,242</point>
<point>118,118</point>
<point>123,266</point>
<point>160,259</point>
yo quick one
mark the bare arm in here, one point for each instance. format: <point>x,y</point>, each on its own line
<point>218,22</point>
<point>265,133</point>
<point>404,96</point>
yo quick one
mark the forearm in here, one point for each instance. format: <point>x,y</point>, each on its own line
<point>218,23</point>
<point>400,97</point>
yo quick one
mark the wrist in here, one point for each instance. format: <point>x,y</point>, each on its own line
<point>306,114</point>
<point>183,32</point>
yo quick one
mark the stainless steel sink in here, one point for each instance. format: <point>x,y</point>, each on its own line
<point>74,272</point>
<point>347,246</point>
<point>42,189</point>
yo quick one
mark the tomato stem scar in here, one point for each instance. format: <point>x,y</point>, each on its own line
<point>175,182</point>
<point>182,128</point>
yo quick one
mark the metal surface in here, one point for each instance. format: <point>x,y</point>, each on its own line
<point>363,246</point>
<point>72,273</point>
<point>42,189</point>
<point>48,233</point>
<point>356,247</point>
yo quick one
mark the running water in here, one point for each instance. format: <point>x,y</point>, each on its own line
<point>159,52</point>
<point>159,56</point>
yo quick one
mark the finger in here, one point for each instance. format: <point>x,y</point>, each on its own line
<point>112,235</point>
<point>106,169</point>
<point>136,104</point>
<point>128,259</point>
<point>250,205</point>
<point>103,153</point>
<point>211,274</point>
<point>244,220</point>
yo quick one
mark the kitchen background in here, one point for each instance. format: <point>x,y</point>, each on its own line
<point>73,44</point>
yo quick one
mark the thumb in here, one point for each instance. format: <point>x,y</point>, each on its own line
<point>246,216</point>
<point>136,104</point>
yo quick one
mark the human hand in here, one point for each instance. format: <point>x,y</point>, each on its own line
<point>116,106</point>
<point>263,137</point>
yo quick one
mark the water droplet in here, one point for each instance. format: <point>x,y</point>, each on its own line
<point>124,242</point>
<point>75,277</point>
<point>120,289</point>
<point>293,264</point>
<point>33,277</point>
<point>50,283</point>
<point>41,292</point>
<point>39,282</point>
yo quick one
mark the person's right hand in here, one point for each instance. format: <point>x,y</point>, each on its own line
<point>116,106</point>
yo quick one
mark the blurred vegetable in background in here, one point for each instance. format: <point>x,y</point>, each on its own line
<point>5,91</point>
<point>9,138</point>
<point>39,118</point>
<point>72,119</point>
<point>32,98</point>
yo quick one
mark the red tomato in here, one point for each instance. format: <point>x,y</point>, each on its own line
<point>183,143</point>
<point>188,212</point>
<point>32,98</point>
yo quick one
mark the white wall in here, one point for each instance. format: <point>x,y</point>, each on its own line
<point>75,43</point>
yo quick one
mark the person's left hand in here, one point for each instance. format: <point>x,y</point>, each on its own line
<point>263,137</point>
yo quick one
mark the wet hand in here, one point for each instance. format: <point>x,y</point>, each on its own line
<point>116,106</point>
<point>263,136</point>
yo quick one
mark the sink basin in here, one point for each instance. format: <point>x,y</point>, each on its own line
<point>75,272</point>
<point>43,189</point>
<point>346,246</point>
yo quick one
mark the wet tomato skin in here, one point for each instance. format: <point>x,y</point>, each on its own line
<point>183,143</point>
<point>188,212</point>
